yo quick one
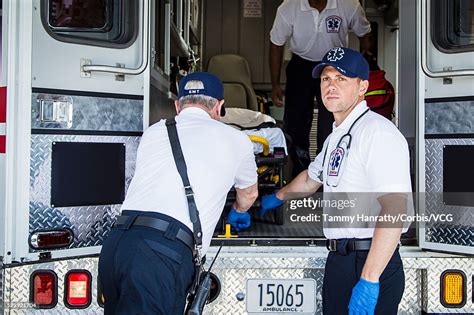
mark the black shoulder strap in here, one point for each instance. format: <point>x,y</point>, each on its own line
<point>183,172</point>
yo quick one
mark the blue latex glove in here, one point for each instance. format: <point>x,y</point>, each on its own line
<point>238,220</point>
<point>269,202</point>
<point>364,298</point>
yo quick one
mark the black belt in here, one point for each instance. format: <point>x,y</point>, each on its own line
<point>160,225</point>
<point>351,245</point>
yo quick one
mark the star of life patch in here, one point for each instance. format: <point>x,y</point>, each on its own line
<point>335,161</point>
<point>333,24</point>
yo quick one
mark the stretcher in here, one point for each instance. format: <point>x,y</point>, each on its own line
<point>269,148</point>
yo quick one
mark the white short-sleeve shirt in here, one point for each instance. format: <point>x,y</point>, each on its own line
<point>217,157</point>
<point>312,33</point>
<point>378,163</point>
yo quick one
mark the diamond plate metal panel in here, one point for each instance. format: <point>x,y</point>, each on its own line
<point>429,271</point>
<point>461,234</point>
<point>234,279</point>
<point>410,303</point>
<point>422,288</point>
<point>235,282</point>
<point>93,113</point>
<point>19,291</point>
<point>90,224</point>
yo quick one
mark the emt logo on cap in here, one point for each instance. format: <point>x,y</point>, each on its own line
<point>335,54</point>
<point>194,86</point>
<point>345,60</point>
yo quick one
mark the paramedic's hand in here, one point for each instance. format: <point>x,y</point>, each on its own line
<point>269,202</point>
<point>238,220</point>
<point>364,297</point>
<point>277,96</point>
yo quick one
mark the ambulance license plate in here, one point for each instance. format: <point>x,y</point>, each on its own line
<point>275,296</point>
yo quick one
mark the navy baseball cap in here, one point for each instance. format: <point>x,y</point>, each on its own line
<point>345,60</point>
<point>201,83</point>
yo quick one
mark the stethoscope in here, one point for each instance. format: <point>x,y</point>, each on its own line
<point>339,147</point>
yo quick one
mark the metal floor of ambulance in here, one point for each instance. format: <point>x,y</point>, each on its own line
<point>266,228</point>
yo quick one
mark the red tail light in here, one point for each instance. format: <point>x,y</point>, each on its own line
<point>51,239</point>
<point>44,289</point>
<point>78,289</point>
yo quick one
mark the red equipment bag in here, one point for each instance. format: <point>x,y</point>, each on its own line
<point>380,95</point>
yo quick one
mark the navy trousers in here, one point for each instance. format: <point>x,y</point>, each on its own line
<point>341,274</point>
<point>145,271</point>
<point>300,91</point>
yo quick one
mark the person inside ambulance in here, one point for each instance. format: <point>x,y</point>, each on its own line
<point>311,28</point>
<point>148,263</point>
<point>365,155</point>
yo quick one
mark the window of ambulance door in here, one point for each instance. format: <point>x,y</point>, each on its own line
<point>106,23</point>
<point>453,25</point>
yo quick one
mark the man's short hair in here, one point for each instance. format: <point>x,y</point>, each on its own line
<point>202,100</point>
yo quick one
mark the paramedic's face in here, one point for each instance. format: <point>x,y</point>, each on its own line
<point>341,93</point>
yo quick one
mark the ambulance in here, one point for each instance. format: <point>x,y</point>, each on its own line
<point>82,79</point>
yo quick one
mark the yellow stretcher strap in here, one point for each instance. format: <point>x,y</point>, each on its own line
<point>264,142</point>
<point>376,92</point>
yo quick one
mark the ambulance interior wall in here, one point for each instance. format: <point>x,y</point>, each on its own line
<point>227,31</point>
<point>161,106</point>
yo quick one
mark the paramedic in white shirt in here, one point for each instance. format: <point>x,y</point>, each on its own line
<point>311,28</point>
<point>364,272</point>
<point>146,264</point>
